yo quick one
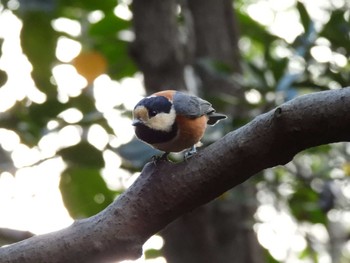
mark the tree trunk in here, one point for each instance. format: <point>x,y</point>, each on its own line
<point>216,46</point>
<point>157,49</point>
<point>221,231</point>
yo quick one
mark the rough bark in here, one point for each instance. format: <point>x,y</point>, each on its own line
<point>164,191</point>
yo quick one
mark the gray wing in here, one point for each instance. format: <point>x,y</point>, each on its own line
<point>191,106</point>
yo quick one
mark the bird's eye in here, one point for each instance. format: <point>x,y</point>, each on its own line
<point>153,113</point>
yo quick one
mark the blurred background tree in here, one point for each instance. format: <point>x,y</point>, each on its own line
<point>246,57</point>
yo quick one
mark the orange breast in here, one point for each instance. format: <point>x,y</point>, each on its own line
<point>190,131</point>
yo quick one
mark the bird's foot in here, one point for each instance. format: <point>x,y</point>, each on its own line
<point>157,158</point>
<point>190,152</point>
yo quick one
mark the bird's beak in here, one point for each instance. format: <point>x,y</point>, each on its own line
<point>137,122</point>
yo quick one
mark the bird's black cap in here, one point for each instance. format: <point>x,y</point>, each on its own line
<point>155,105</point>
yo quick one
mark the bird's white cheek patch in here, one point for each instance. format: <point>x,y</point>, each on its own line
<point>162,121</point>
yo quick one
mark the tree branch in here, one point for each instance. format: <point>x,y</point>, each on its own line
<point>166,190</point>
<point>8,236</point>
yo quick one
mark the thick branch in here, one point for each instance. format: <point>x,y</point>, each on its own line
<point>165,191</point>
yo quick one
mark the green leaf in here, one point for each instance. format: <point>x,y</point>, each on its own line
<point>309,253</point>
<point>304,205</point>
<point>83,154</point>
<point>30,122</point>
<point>337,30</point>
<point>84,102</point>
<point>109,26</point>
<point>152,253</point>
<point>253,30</point>
<point>84,192</point>
<point>91,5</point>
<point>38,41</point>
<point>41,113</point>
<point>3,77</point>
<point>304,16</point>
<point>119,62</point>
<point>268,257</point>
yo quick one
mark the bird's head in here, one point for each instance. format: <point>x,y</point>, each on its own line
<point>155,112</point>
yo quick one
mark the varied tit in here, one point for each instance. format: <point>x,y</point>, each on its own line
<point>172,121</point>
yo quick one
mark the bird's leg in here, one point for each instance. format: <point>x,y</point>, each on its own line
<point>190,152</point>
<point>157,158</point>
<point>164,156</point>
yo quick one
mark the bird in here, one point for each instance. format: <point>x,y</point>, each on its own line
<point>173,121</point>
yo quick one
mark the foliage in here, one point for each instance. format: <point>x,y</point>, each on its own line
<point>81,185</point>
<point>275,69</point>
<point>311,187</point>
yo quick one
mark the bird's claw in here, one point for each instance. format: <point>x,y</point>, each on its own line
<point>157,158</point>
<point>190,152</point>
